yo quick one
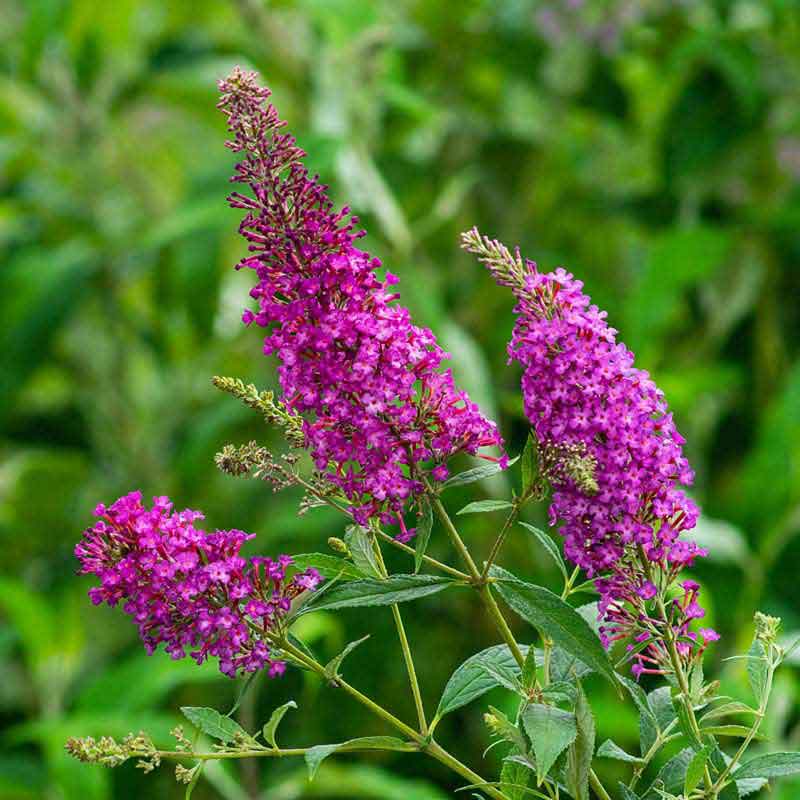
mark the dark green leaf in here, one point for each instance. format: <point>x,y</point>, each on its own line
<point>316,755</point>
<point>514,779</point>
<point>484,506</point>
<point>211,722</point>
<point>673,773</point>
<point>757,669</point>
<point>328,566</point>
<point>528,465</point>
<point>470,680</point>
<point>551,731</point>
<point>771,765</point>
<point>695,771</point>
<point>359,543</point>
<point>548,613</point>
<point>610,749</point>
<point>529,669</point>
<point>626,793</point>
<point>739,731</point>
<point>475,474</point>
<point>423,536</point>
<point>581,751</point>
<point>373,592</point>
<point>505,677</point>
<point>561,691</point>
<point>726,709</point>
<point>550,547</point>
<point>332,667</point>
<point>271,726</point>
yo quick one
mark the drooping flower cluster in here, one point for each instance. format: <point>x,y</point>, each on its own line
<point>378,412</point>
<point>189,589</point>
<point>616,494</point>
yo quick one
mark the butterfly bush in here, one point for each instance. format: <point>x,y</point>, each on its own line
<point>612,452</point>
<point>186,588</point>
<point>379,414</point>
<point>364,390</point>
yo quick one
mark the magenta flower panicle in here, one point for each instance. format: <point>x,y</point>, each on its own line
<point>618,455</point>
<point>189,589</point>
<point>379,413</point>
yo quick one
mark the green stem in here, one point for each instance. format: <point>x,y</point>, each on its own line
<point>404,646</point>
<point>484,590</point>
<point>456,573</point>
<point>446,568</point>
<point>501,537</point>
<point>266,752</point>
<point>426,744</point>
<point>683,684</point>
<point>457,541</point>
<point>762,708</point>
<point>598,787</point>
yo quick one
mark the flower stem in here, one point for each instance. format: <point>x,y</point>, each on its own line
<point>762,708</point>
<point>425,743</point>
<point>446,568</point>
<point>404,646</point>
<point>485,592</point>
<point>456,539</point>
<point>501,537</point>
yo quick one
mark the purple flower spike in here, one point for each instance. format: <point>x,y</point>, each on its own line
<point>379,414</point>
<point>608,445</point>
<point>187,588</point>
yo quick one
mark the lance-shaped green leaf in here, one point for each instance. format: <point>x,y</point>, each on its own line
<point>475,474</point>
<point>528,677</point>
<point>757,669</point>
<point>514,778</point>
<point>695,771</point>
<point>726,709</point>
<point>359,543</point>
<point>504,677</point>
<point>548,613</point>
<point>332,667</point>
<point>374,592</point>
<point>551,731</point>
<point>627,794</point>
<point>211,722</point>
<point>581,751</point>
<point>550,547</point>
<point>771,765</point>
<point>484,506</point>
<point>528,464</point>
<point>328,566</point>
<point>271,726</point>
<point>316,755</point>
<point>424,527</point>
<point>672,774</point>
<point>663,716</point>
<point>471,680</point>
<point>738,731</point>
<point>610,749</point>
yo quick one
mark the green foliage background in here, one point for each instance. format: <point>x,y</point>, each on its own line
<point>651,147</point>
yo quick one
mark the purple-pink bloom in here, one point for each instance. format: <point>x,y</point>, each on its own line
<point>186,588</point>
<point>609,444</point>
<point>379,414</point>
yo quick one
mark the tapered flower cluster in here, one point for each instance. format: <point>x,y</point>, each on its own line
<point>188,589</point>
<point>379,414</point>
<point>583,396</point>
